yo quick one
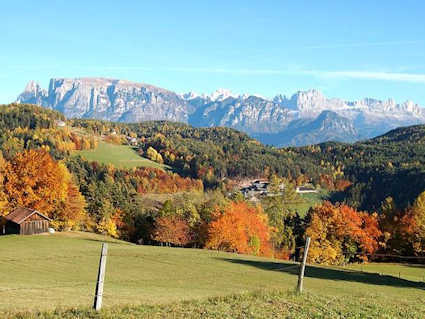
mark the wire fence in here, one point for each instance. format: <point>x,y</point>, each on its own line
<point>87,289</point>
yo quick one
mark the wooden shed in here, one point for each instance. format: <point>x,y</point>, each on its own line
<point>24,221</point>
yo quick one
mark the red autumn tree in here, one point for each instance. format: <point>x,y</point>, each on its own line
<point>172,230</point>
<point>240,228</point>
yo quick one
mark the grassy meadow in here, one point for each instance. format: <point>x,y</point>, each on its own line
<point>309,200</point>
<point>121,156</point>
<point>48,272</point>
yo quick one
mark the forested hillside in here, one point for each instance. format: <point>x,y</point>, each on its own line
<point>390,165</point>
<point>193,200</point>
<point>210,153</point>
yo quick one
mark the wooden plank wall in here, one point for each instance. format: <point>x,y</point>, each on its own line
<point>34,227</point>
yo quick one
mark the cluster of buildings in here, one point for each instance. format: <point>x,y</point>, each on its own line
<point>258,188</point>
<point>132,141</point>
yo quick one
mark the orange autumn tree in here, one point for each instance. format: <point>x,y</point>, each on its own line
<point>414,222</point>
<point>240,228</point>
<point>172,230</point>
<point>399,228</point>
<point>340,234</point>
<point>34,179</point>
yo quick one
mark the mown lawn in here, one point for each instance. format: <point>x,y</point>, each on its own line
<point>47,272</point>
<point>121,156</point>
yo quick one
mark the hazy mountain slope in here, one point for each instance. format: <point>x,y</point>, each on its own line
<point>407,135</point>
<point>328,126</point>
<point>250,114</point>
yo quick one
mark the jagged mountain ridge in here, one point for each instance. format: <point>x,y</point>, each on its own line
<point>297,120</point>
<point>113,100</point>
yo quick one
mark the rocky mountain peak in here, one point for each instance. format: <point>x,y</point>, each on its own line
<point>32,86</point>
<point>33,94</point>
<point>190,95</point>
<point>306,113</point>
<point>221,94</point>
<point>109,99</point>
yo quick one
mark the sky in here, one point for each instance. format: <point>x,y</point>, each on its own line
<point>347,49</point>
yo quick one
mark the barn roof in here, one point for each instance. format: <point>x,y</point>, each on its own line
<point>20,214</point>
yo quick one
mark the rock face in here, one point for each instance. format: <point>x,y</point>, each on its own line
<point>304,118</point>
<point>106,99</point>
<point>250,114</point>
<point>33,94</point>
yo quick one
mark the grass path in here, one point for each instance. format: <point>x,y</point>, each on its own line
<point>45,272</point>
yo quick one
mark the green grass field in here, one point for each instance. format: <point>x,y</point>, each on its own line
<point>121,156</point>
<point>309,200</point>
<point>48,272</point>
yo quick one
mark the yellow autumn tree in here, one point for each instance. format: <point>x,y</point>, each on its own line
<point>419,223</point>
<point>340,233</point>
<point>70,211</point>
<point>153,155</point>
<point>3,198</point>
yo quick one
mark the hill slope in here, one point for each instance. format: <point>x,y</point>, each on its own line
<point>120,156</point>
<point>389,165</point>
<point>412,135</point>
<point>46,276</point>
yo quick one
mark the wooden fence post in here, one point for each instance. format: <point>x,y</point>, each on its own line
<point>302,267</point>
<point>100,278</point>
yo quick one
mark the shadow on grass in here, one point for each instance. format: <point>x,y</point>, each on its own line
<point>420,266</point>
<point>331,274</point>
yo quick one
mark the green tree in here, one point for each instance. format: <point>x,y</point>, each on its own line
<point>278,208</point>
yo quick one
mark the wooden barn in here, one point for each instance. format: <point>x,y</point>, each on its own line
<point>24,221</point>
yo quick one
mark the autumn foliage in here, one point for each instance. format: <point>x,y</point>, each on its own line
<point>240,228</point>
<point>153,180</point>
<point>341,234</point>
<point>404,230</point>
<point>172,230</point>
<point>34,179</point>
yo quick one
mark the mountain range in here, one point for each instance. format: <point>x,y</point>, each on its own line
<point>307,117</point>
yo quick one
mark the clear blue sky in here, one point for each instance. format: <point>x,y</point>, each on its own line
<point>348,49</point>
